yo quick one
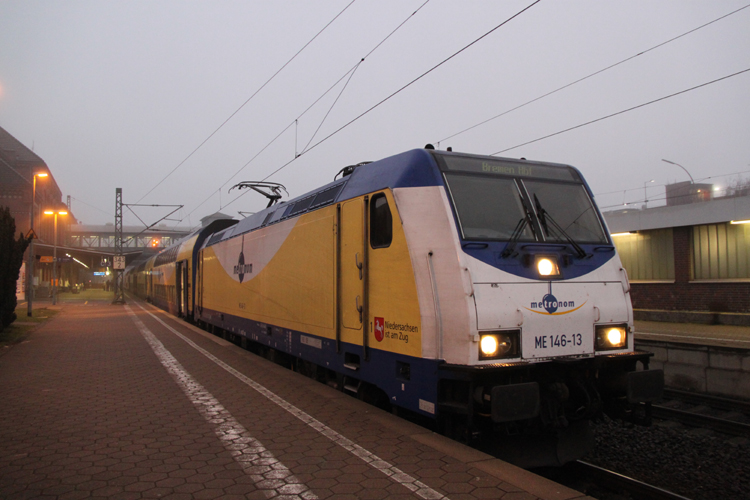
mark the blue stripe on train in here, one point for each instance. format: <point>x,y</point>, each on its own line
<point>383,369</point>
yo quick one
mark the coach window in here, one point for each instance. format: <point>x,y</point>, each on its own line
<point>381,222</point>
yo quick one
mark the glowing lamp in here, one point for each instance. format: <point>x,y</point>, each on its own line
<point>547,266</point>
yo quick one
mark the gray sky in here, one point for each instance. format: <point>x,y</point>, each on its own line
<point>117,94</point>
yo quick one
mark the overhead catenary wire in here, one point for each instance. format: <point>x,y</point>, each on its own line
<point>640,188</point>
<point>656,199</point>
<point>331,108</point>
<point>621,112</point>
<point>592,74</point>
<point>349,73</point>
<point>247,101</point>
<point>92,206</point>
<point>272,141</point>
<point>395,93</point>
<point>663,197</point>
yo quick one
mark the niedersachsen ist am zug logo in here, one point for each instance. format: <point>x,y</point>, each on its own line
<point>551,305</point>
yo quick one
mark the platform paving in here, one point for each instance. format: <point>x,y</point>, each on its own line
<point>737,337</point>
<point>107,401</point>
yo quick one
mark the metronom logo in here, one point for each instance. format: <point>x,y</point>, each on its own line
<point>552,304</point>
<point>241,269</point>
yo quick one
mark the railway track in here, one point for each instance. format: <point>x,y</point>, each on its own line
<point>605,484</point>
<point>697,413</point>
<point>618,483</point>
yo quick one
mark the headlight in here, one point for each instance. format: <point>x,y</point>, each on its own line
<point>547,266</point>
<point>610,337</point>
<point>498,345</point>
<point>488,345</point>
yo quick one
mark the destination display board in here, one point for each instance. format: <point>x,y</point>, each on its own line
<point>506,168</point>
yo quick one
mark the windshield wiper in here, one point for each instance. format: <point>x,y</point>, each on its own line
<point>544,216</point>
<point>517,232</point>
<point>522,222</point>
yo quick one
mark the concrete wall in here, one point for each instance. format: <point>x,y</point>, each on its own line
<point>720,371</point>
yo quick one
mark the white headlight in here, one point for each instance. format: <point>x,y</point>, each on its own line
<point>499,345</point>
<point>609,337</point>
<point>615,335</point>
<point>488,345</point>
<point>547,267</point>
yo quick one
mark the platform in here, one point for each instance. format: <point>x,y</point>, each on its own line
<point>737,337</point>
<point>127,402</point>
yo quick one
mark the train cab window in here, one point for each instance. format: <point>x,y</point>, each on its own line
<point>381,222</point>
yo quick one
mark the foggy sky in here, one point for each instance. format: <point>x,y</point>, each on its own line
<point>118,94</point>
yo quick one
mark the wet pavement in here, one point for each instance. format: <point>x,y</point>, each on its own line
<point>127,402</point>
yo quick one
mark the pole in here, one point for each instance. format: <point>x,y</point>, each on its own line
<point>54,266</point>
<point>30,270</point>
<point>645,193</point>
<point>119,261</point>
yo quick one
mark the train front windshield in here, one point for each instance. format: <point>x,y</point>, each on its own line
<point>495,199</point>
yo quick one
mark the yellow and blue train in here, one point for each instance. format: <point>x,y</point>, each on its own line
<point>484,294</point>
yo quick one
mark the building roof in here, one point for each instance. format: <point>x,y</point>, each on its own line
<point>15,150</point>
<point>18,164</point>
<point>716,211</point>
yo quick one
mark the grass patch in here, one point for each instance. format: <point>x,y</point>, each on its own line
<point>24,324</point>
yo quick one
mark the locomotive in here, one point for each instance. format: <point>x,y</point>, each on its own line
<point>481,295</point>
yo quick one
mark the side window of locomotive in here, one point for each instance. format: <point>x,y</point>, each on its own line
<point>381,222</point>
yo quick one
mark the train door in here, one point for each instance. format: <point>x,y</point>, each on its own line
<point>182,287</point>
<point>198,285</point>
<point>352,298</point>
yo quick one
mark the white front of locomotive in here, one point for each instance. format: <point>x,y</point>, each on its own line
<point>537,320</point>
<point>546,280</point>
<point>524,303</point>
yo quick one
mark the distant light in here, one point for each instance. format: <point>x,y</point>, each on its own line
<point>84,265</point>
<point>62,212</point>
<point>49,212</point>
<point>629,233</point>
<point>740,222</point>
<point>41,175</point>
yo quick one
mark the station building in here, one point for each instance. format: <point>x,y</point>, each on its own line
<point>27,186</point>
<point>688,261</point>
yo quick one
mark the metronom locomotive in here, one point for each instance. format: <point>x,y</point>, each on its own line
<point>483,295</point>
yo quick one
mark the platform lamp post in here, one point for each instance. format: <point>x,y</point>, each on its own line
<point>645,193</point>
<point>683,168</point>
<point>54,254</point>
<point>30,270</point>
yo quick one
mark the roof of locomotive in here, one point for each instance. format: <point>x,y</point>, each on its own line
<point>409,169</point>
<point>414,168</point>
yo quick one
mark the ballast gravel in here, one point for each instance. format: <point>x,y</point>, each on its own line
<point>696,463</point>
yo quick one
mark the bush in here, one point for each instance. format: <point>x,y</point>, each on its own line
<point>11,258</point>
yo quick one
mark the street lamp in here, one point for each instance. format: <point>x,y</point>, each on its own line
<point>683,168</point>
<point>54,254</point>
<point>30,270</point>
<point>645,193</point>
